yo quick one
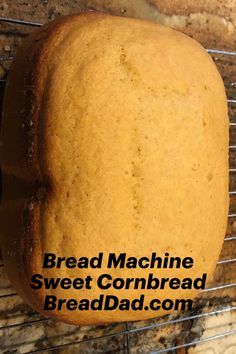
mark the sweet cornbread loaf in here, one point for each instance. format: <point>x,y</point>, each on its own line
<point>114,140</point>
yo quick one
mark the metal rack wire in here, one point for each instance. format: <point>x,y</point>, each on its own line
<point>128,331</point>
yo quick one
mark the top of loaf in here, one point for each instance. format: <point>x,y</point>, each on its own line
<point>116,143</point>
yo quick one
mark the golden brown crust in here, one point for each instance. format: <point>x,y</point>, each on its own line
<point>114,143</point>
<point>25,182</point>
<point>21,159</point>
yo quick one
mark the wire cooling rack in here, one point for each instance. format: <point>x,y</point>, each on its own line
<point>128,329</point>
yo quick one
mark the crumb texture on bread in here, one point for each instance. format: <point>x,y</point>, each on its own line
<point>118,142</point>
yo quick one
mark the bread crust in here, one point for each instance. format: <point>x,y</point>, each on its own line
<point>31,186</point>
<point>22,160</point>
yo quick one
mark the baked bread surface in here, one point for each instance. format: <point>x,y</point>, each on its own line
<point>115,139</point>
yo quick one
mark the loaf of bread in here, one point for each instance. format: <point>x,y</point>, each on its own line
<point>114,141</point>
